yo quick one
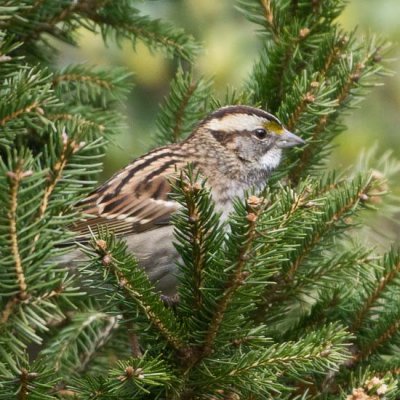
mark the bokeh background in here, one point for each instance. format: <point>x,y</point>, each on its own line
<point>230,49</point>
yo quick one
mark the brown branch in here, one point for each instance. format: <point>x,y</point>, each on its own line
<point>300,200</point>
<point>286,61</point>
<point>133,340</point>
<point>80,6</point>
<point>272,293</point>
<point>67,393</point>
<point>318,236</point>
<point>363,353</point>
<point>255,206</point>
<point>323,121</point>
<point>76,77</point>
<point>13,301</point>
<point>112,323</point>
<point>8,309</point>
<point>307,99</point>
<point>383,282</point>
<point>174,341</point>
<point>70,117</point>
<point>17,113</point>
<point>269,17</point>
<point>181,110</point>
<point>69,148</point>
<point>24,381</point>
<point>25,378</point>
<point>197,241</point>
<point>15,180</point>
<point>112,265</point>
<point>46,296</point>
<point>334,55</point>
<point>135,30</point>
<point>56,176</point>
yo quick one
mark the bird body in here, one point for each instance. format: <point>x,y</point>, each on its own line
<point>234,148</point>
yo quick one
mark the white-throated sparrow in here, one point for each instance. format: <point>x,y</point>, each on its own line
<point>235,148</point>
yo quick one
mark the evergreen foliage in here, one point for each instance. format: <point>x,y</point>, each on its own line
<point>283,301</point>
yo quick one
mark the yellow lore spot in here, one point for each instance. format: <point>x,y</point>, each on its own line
<point>274,127</point>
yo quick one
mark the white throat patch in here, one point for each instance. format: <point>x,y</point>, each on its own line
<point>271,159</point>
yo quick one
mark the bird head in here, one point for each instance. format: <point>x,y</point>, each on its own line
<point>252,135</point>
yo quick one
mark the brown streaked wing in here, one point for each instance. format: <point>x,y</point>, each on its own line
<point>135,199</point>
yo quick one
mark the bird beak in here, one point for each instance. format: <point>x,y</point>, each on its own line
<point>289,139</point>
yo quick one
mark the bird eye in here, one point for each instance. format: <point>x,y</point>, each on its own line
<point>260,133</point>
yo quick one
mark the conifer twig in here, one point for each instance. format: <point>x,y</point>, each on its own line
<point>8,309</point>
<point>17,113</point>
<point>132,293</point>
<point>181,111</point>
<point>174,341</point>
<point>271,293</point>
<point>255,208</point>
<point>69,147</point>
<point>308,98</point>
<point>50,26</point>
<point>341,98</point>
<point>15,179</point>
<point>363,353</point>
<point>24,380</point>
<point>101,340</point>
<point>82,78</point>
<point>133,339</point>
<point>70,117</point>
<point>197,240</point>
<point>382,283</point>
<point>269,17</point>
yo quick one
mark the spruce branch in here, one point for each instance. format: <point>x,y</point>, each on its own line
<point>388,333</point>
<point>268,14</point>
<point>8,309</point>
<point>24,379</point>
<point>15,177</point>
<point>237,275</point>
<point>92,85</point>
<point>352,78</point>
<point>182,109</point>
<point>338,214</point>
<point>380,286</point>
<point>322,350</point>
<point>338,205</point>
<point>68,148</point>
<point>198,253</point>
<point>137,288</point>
<point>198,235</point>
<point>132,378</point>
<point>42,17</point>
<point>71,350</point>
<point>15,114</point>
<point>261,12</point>
<point>31,380</point>
<point>27,96</point>
<point>126,22</point>
<point>95,80</point>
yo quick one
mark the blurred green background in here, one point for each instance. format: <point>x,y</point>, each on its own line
<point>230,49</point>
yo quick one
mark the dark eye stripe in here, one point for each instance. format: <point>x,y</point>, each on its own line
<point>221,137</point>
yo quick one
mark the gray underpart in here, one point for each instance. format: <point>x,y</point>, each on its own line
<point>155,254</point>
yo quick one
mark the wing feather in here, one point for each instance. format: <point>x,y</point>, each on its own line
<point>135,199</point>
